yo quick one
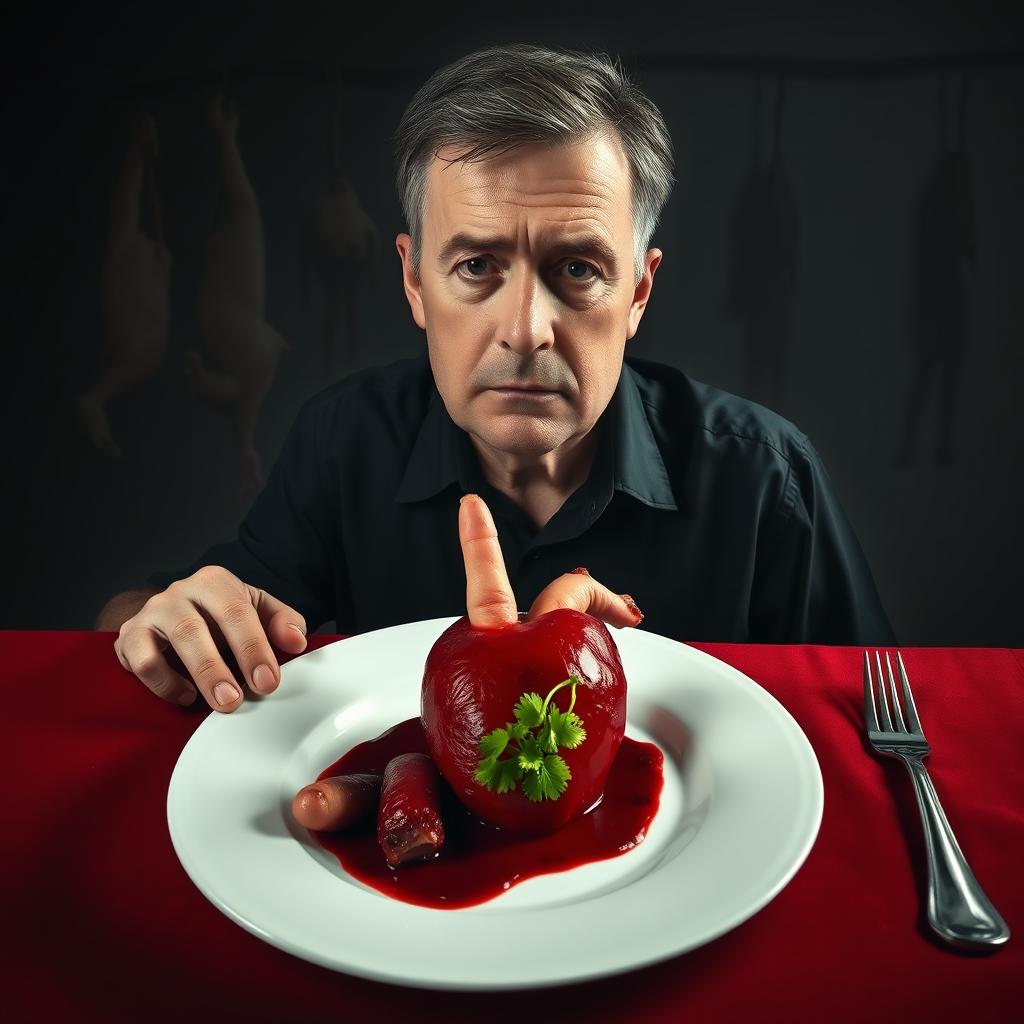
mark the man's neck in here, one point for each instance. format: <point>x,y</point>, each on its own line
<point>539,486</point>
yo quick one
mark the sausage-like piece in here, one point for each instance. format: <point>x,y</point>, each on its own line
<point>409,825</point>
<point>337,802</point>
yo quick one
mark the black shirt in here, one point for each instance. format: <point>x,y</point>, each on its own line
<point>714,513</point>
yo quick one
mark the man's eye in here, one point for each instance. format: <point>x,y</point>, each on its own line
<point>577,269</point>
<point>475,259</point>
<point>585,267</point>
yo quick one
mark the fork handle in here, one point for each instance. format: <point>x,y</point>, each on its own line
<point>958,909</point>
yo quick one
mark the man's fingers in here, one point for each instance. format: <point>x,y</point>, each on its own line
<point>150,664</point>
<point>183,627</point>
<point>218,630</point>
<point>229,604</point>
<point>581,591</point>
<point>489,597</point>
<point>285,627</point>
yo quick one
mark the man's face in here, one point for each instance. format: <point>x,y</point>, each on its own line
<point>526,290</point>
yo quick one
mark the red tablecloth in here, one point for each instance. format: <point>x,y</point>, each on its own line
<point>104,924</point>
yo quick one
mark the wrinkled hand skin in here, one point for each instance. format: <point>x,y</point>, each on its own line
<point>472,681</point>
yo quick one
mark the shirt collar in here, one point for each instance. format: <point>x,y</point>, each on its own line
<point>443,454</point>
<point>639,468</point>
<point>434,462</point>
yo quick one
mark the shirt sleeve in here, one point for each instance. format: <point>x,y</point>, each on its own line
<point>284,543</point>
<point>813,583</point>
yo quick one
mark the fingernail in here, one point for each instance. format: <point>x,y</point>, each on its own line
<point>225,693</point>
<point>581,571</point>
<point>465,496</point>
<point>263,679</point>
<point>633,608</point>
<point>298,629</point>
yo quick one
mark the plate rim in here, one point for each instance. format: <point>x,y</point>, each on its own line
<point>810,820</point>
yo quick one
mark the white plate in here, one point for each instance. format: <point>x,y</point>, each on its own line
<point>739,812</point>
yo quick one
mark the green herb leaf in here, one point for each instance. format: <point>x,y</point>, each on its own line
<point>549,781</point>
<point>500,776</point>
<point>530,754</point>
<point>530,710</point>
<point>534,759</point>
<point>566,729</point>
<point>532,787</point>
<point>485,771</point>
<point>508,774</point>
<point>546,738</point>
<point>556,775</point>
<point>494,743</point>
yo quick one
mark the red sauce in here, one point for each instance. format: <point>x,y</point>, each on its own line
<point>479,861</point>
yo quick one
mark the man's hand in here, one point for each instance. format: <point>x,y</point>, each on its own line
<point>489,597</point>
<point>201,619</point>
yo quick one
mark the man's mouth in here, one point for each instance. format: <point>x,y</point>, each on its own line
<point>524,389</point>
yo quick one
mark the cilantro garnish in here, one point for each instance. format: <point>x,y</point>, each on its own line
<point>532,742</point>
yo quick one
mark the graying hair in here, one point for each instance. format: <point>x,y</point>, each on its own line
<point>502,97</point>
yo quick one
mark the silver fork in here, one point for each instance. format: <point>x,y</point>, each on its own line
<point>958,909</point>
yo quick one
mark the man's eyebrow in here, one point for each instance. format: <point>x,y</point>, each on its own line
<point>587,245</point>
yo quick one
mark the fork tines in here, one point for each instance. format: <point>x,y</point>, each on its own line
<point>878,715</point>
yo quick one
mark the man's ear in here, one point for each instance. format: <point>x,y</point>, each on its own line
<point>410,280</point>
<point>642,293</point>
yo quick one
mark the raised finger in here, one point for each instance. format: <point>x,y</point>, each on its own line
<point>579,590</point>
<point>140,654</point>
<point>489,597</point>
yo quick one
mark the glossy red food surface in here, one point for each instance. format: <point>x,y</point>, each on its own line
<point>409,824</point>
<point>480,861</point>
<point>472,681</point>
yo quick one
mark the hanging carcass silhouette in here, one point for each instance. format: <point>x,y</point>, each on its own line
<point>940,298</point>
<point>135,285</point>
<point>342,249</point>
<point>240,350</point>
<point>761,288</point>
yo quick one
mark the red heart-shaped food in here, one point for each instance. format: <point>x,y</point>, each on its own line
<point>472,682</point>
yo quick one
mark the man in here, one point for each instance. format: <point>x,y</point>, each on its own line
<point>531,182</point>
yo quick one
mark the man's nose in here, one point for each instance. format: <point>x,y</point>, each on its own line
<point>526,314</point>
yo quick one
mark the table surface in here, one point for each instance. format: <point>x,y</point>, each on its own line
<point>106,925</point>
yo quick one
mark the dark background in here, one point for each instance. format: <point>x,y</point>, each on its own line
<point>871,100</point>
